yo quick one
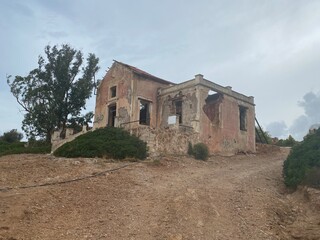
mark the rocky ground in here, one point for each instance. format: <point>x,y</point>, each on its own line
<point>172,197</point>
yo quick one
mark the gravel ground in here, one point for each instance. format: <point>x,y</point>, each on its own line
<point>171,197</point>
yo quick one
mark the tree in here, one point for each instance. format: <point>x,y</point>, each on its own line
<point>263,136</point>
<point>11,136</point>
<point>289,142</point>
<point>78,122</point>
<point>55,91</point>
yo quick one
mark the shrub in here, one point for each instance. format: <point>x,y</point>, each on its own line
<point>301,166</point>
<point>289,142</point>
<point>200,151</point>
<point>106,142</point>
<point>312,177</point>
<point>21,147</point>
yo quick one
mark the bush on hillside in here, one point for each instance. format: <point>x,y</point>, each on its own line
<point>312,177</point>
<point>303,163</point>
<point>200,151</point>
<point>22,147</point>
<point>10,144</point>
<point>106,142</point>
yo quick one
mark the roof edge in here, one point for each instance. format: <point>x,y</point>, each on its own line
<point>142,73</point>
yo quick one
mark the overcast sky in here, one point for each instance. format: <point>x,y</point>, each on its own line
<point>269,49</point>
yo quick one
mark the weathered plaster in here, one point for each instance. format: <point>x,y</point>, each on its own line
<point>211,119</point>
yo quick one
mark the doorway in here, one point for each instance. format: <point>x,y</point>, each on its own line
<point>112,112</point>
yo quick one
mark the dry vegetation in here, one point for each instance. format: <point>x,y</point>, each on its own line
<point>174,198</point>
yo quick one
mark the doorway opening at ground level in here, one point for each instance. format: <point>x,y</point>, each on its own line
<point>112,112</point>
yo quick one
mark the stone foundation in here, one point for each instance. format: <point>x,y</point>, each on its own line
<point>168,140</point>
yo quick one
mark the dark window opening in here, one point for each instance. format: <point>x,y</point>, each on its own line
<point>112,112</point>
<point>212,107</point>
<point>144,117</point>
<point>243,118</point>
<point>178,105</point>
<point>113,91</point>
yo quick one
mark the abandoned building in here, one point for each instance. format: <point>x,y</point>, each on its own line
<point>168,115</point>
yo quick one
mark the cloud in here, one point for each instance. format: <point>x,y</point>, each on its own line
<point>311,116</point>
<point>17,8</point>
<point>278,129</point>
<point>53,34</point>
<point>300,127</point>
<point>311,105</point>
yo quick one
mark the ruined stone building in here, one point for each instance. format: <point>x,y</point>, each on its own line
<point>168,115</point>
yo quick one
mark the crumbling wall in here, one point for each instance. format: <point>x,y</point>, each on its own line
<point>119,77</point>
<point>175,140</point>
<point>146,90</point>
<point>222,133</point>
<point>215,116</point>
<point>171,140</point>
<point>214,120</point>
<point>212,108</point>
<point>190,110</point>
<point>131,88</point>
<point>57,141</point>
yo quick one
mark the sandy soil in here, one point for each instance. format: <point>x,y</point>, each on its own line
<point>173,198</point>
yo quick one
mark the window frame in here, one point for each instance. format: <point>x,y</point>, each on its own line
<point>146,121</point>
<point>243,112</point>
<point>113,91</point>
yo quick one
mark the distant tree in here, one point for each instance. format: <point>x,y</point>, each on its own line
<point>11,136</point>
<point>262,136</point>
<point>289,142</point>
<point>55,91</point>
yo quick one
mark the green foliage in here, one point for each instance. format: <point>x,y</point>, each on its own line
<point>22,147</point>
<point>200,151</point>
<point>289,142</point>
<point>11,136</point>
<point>77,122</point>
<point>106,142</point>
<point>54,91</point>
<point>303,162</point>
<point>190,148</point>
<point>261,135</point>
<point>312,177</point>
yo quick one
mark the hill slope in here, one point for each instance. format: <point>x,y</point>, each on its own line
<point>175,198</point>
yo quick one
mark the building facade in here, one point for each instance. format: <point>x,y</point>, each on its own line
<point>168,116</point>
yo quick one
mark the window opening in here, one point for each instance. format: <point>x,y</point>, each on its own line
<point>144,117</point>
<point>113,91</point>
<point>178,105</point>
<point>212,107</point>
<point>243,118</point>
<point>112,112</point>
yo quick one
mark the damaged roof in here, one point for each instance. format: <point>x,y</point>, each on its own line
<point>145,74</point>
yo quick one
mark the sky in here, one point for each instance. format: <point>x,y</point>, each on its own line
<point>269,49</point>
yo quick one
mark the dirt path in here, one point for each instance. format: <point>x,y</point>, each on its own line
<point>174,198</point>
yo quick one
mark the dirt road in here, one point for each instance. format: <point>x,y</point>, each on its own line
<point>173,198</point>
